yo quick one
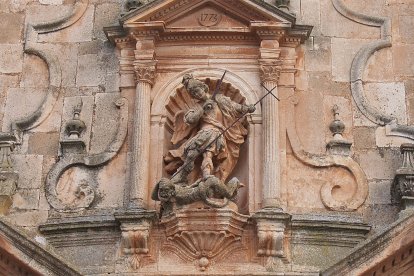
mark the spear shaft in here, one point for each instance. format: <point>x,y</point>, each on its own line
<point>226,129</point>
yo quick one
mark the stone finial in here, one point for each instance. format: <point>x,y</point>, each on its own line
<point>337,127</point>
<point>76,126</point>
<point>338,145</point>
<point>134,4</point>
<point>283,4</point>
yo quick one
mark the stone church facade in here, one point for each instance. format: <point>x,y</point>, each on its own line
<point>206,137</point>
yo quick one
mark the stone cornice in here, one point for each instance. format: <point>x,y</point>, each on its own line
<point>373,249</point>
<point>45,257</point>
<point>170,37</point>
<point>264,20</point>
<point>115,32</point>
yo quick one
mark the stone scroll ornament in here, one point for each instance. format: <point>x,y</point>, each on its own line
<point>74,154</point>
<point>32,47</point>
<point>206,141</point>
<point>338,155</point>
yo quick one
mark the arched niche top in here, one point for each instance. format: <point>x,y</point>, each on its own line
<point>181,100</point>
<point>162,96</point>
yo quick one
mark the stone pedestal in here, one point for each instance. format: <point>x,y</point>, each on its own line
<point>203,235</point>
<point>403,188</point>
<point>271,233</point>
<point>8,177</point>
<point>135,229</point>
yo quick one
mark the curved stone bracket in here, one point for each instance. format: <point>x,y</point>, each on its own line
<point>80,159</point>
<point>55,72</point>
<point>55,78</point>
<point>361,59</point>
<point>330,160</point>
<point>65,21</point>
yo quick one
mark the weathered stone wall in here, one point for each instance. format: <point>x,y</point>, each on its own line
<point>89,69</point>
<point>388,80</point>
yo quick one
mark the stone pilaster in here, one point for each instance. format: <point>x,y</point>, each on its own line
<point>144,67</point>
<point>269,74</point>
<point>144,73</point>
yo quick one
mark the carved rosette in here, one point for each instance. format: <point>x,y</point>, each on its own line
<point>145,73</point>
<point>269,73</point>
<point>193,240</point>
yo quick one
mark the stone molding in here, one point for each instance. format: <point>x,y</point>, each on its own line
<point>375,249</point>
<point>339,230</point>
<point>208,37</point>
<point>44,258</point>
<point>92,227</point>
<point>55,77</point>
<point>361,59</point>
<point>80,158</point>
<point>256,14</point>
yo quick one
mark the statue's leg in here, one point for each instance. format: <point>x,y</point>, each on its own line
<point>186,168</point>
<point>207,164</point>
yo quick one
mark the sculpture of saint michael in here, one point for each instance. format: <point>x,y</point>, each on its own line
<point>206,141</point>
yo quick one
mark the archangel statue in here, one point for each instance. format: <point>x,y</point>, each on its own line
<point>206,141</point>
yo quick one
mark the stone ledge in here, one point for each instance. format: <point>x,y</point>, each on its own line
<point>375,249</point>
<point>89,228</point>
<point>45,259</point>
<point>331,230</point>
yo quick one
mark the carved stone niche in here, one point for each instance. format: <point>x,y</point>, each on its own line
<point>248,170</point>
<point>204,235</point>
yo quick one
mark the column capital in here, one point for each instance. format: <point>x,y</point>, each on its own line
<point>145,72</point>
<point>269,72</point>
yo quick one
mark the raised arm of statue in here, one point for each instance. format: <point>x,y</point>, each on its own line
<point>242,108</point>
